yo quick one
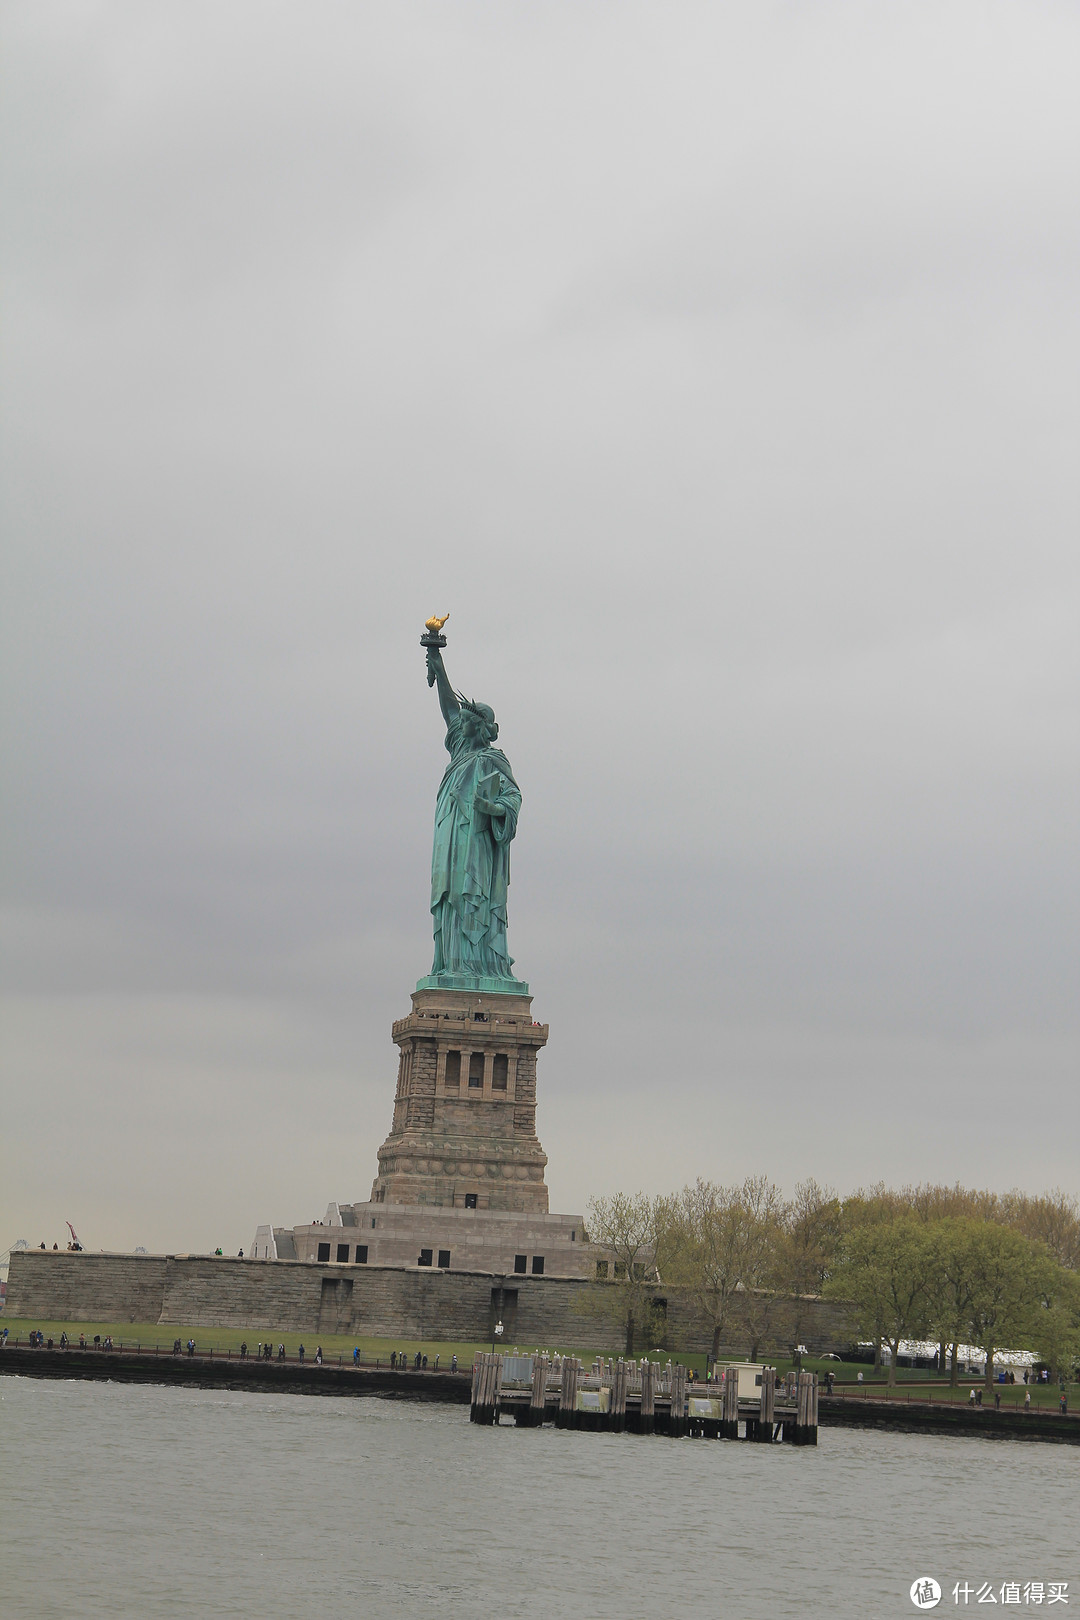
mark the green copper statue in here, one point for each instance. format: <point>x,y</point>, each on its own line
<point>476,817</point>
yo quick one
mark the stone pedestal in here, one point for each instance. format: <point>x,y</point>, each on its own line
<point>464,1130</point>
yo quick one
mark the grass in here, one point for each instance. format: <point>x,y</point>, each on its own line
<point>913,1382</point>
<point>223,1341</point>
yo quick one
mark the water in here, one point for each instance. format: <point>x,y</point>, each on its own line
<point>154,1502</point>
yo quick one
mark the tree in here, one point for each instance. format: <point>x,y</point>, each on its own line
<point>808,1245</point>
<point>952,1281</point>
<point>813,1224</point>
<point>706,1238</point>
<point>1010,1278</point>
<point>1056,1324</point>
<point>762,1286</point>
<point>1052,1219</point>
<point>885,1273</point>
<point>629,1228</point>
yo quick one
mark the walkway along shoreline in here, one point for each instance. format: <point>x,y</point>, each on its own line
<point>290,1377</point>
<point>293,1378</point>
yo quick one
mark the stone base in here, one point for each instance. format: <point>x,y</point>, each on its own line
<point>464,1127</point>
<point>481,1240</point>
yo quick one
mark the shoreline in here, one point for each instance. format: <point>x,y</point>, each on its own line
<point>221,1372</point>
<point>293,1378</point>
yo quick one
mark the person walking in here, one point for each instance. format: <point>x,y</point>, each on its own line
<point>301,1355</point>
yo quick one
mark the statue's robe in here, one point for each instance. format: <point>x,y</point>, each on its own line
<point>470,861</point>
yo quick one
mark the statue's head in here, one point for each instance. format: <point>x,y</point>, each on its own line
<point>478,721</point>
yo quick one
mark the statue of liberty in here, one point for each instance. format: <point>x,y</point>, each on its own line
<point>476,816</point>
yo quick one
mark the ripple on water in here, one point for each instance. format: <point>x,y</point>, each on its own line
<point>126,1500</point>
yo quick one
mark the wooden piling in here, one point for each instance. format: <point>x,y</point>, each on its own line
<point>767,1406</point>
<point>805,1427</point>
<point>617,1415</point>
<point>487,1382</point>
<point>474,1396</point>
<point>539,1392</point>
<point>568,1393</point>
<point>496,1388</point>
<point>729,1427</point>
<point>677,1424</point>
<point>648,1398</point>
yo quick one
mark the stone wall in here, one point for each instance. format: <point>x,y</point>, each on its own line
<point>380,1301</point>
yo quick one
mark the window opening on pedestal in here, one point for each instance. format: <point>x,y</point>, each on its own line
<point>601,1269</point>
<point>323,1252</point>
<point>470,1200</point>
<point>499,1069</point>
<point>444,1259</point>
<point>538,1265</point>
<point>452,1075</point>
<point>521,1263</point>
<point>476,1069</point>
<point>361,1252</point>
<point>425,1257</point>
<point>343,1253</point>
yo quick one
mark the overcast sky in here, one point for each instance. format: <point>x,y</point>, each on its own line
<point>716,367</point>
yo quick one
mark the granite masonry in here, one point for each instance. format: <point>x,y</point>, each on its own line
<point>460,1184</point>
<point>200,1291</point>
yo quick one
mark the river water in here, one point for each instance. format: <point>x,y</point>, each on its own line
<point>156,1502</point>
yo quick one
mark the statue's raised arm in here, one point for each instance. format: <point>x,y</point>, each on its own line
<point>437,676</point>
<point>434,641</point>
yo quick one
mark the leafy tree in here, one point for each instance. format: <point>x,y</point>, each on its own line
<point>1056,1325</point>
<point>808,1246</point>
<point>813,1223</point>
<point>630,1228</point>
<point>952,1282</point>
<point>716,1243</point>
<point>1010,1278</point>
<point>885,1273</point>
<point>763,1289</point>
<point>1052,1219</point>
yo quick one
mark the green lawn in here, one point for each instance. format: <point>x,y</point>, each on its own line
<point>911,1381</point>
<point>145,1335</point>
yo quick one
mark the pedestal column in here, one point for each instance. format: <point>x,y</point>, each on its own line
<point>464,1129</point>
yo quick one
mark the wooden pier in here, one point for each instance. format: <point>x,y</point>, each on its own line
<point>642,1398</point>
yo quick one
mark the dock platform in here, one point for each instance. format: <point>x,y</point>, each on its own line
<point>642,1398</point>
